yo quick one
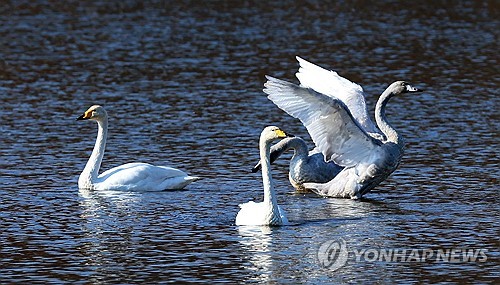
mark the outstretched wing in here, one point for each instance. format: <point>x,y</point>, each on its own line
<point>331,126</point>
<point>329,83</point>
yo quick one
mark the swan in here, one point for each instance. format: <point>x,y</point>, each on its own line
<point>305,166</point>
<point>333,110</point>
<point>127,177</point>
<point>267,212</point>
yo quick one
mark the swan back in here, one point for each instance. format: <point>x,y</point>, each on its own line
<point>143,177</point>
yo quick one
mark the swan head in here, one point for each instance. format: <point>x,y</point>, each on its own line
<point>271,133</point>
<point>95,112</point>
<point>400,87</point>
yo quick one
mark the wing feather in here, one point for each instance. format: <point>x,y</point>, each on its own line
<point>331,126</point>
<point>328,82</point>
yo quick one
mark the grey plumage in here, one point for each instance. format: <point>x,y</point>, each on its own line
<point>305,166</point>
<point>368,153</point>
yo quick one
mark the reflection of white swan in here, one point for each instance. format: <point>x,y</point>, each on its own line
<point>333,110</point>
<point>257,243</point>
<point>267,212</point>
<point>130,176</point>
<point>108,218</point>
<point>305,166</point>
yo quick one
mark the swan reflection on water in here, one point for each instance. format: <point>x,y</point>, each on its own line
<point>98,202</point>
<point>105,233</point>
<point>256,240</point>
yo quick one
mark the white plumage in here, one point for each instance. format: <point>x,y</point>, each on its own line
<point>127,177</point>
<point>267,212</point>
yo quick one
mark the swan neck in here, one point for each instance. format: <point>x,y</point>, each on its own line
<point>299,148</point>
<point>91,171</point>
<point>386,128</point>
<point>269,194</point>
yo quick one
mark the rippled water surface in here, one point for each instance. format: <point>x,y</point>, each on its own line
<point>182,81</point>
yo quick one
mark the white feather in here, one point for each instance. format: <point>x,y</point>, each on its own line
<point>328,82</point>
<point>268,212</point>
<point>127,177</point>
<point>333,110</point>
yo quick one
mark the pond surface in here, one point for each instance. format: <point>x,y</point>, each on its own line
<point>182,83</point>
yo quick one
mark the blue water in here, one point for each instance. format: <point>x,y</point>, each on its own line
<point>182,84</point>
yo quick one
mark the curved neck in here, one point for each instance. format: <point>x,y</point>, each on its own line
<point>297,144</point>
<point>299,147</point>
<point>269,195</point>
<point>389,132</point>
<point>91,170</point>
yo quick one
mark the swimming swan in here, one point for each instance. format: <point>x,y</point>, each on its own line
<point>127,177</point>
<point>333,110</point>
<point>305,166</point>
<point>267,212</point>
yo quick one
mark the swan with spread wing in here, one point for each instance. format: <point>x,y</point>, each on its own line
<point>333,109</point>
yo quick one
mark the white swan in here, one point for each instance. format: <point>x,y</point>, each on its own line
<point>267,212</point>
<point>127,177</point>
<point>305,166</point>
<point>333,110</point>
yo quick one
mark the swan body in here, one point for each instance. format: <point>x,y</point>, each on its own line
<point>305,166</point>
<point>127,177</point>
<point>333,110</point>
<point>268,212</point>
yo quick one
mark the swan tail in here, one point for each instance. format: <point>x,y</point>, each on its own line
<point>344,185</point>
<point>192,178</point>
<point>178,183</point>
<point>326,190</point>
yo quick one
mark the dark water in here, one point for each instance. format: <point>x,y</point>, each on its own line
<point>182,83</point>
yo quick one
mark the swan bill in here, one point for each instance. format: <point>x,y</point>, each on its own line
<point>410,88</point>
<point>88,114</point>
<point>406,87</point>
<point>282,134</point>
<point>82,117</point>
